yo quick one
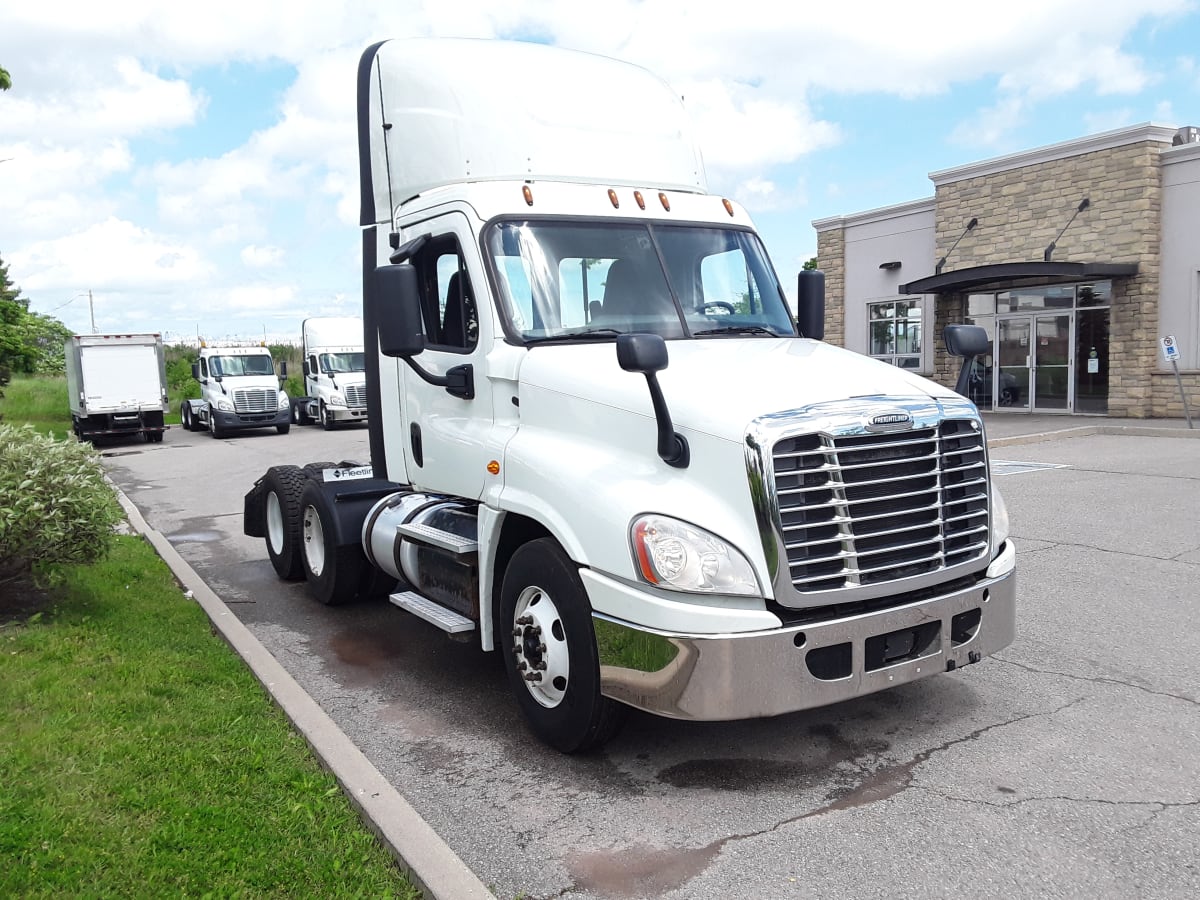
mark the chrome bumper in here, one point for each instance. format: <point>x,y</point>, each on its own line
<point>767,673</point>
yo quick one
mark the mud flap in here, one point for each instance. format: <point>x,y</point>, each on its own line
<point>254,510</point>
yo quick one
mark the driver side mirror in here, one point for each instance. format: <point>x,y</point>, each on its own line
<point>397,308</point>
<point>810,304</point>
<point>283,369</point>
<point>969,342</point>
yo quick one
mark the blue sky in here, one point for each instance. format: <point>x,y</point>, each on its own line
<point>195,168</point>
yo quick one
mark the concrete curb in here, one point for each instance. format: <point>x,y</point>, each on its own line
<point>1084,430</point>
<point>418,849</point>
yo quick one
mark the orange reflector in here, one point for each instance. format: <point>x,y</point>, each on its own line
<point>665,202</point>
<point>641,201</point>
<point>493,468</point>
<point>528,192</point>
<point>728,207</point>
<point>612,195</point>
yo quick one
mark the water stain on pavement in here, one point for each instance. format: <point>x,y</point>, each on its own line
<point>638,871</point>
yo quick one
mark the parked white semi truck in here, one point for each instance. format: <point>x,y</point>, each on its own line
<point>239,390</point>
<point>116,385</point>
<point>335,378</point>
<point>600,443</point>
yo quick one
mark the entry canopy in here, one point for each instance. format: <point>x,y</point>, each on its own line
<point>1002,276</point>
<point>439,111</point>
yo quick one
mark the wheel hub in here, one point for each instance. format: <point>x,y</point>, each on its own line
<point>540,647</point>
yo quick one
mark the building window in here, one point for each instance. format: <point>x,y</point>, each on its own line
<point>896,332</point>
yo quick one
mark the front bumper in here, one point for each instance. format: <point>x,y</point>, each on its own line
<point>347,414</point>
<point>232,420</point>
<point>767,673</point>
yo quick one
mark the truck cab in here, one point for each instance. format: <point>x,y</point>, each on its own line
<point>239,390</point>
<point>601,443</point>
<point>334,372</point>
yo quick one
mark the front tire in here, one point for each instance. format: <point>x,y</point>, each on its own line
<point>285,485</point>
<point>213,428</point>
<point>549,649</point>
<point>334,573</point>
<point>283,429</point>
<point>327,420</point>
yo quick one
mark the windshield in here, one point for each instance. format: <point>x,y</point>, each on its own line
<point>337,363</point>
<point>586,281</point>
<point>260,364</point>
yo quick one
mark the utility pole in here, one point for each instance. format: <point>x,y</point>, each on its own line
<point>92,310</point>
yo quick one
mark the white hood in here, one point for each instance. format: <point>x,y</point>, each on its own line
<point>718,386</point>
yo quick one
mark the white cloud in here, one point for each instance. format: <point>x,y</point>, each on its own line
<point>113,254</point>
<point>254,257</point>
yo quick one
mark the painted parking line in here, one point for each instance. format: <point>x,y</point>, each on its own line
<point>1015,467</point>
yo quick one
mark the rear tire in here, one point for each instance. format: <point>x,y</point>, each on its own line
<point>284,484</point>
<point>546,631</point>
<point>185,416</point>
<point>334,573</point>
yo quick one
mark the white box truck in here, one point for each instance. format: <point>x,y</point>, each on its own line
<point>239,390</point>
<point>601,445</point>
<point>116,385</point>
<point>335,378</point>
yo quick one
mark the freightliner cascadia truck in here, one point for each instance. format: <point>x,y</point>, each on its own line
<point>600,443</point>
<point>239,390</point>
<point>335,379</point>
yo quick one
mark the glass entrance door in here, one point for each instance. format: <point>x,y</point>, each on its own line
<point>1010,375</point>
<point>1052,363</point>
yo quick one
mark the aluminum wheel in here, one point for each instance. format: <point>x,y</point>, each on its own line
<point>314,541</point>
<point>540,646</point>
<point>274,522</point>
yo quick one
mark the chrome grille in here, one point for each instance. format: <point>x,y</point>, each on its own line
<point>864,509</point>
<point>255,400</point>
<point>356,396</point>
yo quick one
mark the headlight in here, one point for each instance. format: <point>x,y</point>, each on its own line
<point>999,518</point>
<point>283,400</point>
<point>224,405</point>
<point>336,400</point>
<point>681,557</point>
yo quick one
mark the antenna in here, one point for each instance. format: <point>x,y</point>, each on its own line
<point>393,236</point>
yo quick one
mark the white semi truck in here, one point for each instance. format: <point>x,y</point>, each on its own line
<point>335,378</point>
<point>116,385</point>
<point>601,445</point>
<point>239,390</point>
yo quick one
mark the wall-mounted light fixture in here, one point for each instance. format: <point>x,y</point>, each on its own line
<point>890,266</point>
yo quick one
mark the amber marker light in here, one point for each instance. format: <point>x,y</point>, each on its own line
<point>641,201</point>
<point>493,468</point>
<point>527,191</point>
<point>612,196</point>
<point>643,555</point>
<point>662,198</point>
<point>728,207</point>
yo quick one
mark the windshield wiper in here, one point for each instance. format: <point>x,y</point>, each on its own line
<point>738,329</point>
<point>592,334</point>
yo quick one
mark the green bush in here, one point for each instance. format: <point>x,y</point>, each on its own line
<point>55,505</point>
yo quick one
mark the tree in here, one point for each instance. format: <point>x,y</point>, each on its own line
<point>5,79</point>
<point>13,310</point>
<point>810,264</point>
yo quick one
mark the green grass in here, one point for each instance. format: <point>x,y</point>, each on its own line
<point>140,757</point>
<point>40,400</point>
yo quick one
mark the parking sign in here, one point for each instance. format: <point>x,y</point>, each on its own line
<point>1170,348</point>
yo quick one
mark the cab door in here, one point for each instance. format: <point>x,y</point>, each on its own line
<point>445,440</point>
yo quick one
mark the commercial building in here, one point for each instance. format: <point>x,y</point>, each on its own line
<point>1078,258</point>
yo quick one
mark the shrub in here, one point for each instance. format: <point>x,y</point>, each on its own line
<point>55,505</point>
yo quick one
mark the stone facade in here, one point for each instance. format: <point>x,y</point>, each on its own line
<point>1020,211</point>
<point>831,259</point>
<point>1167,404</point>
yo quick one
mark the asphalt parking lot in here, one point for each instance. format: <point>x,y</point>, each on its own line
<point>1068,765</point>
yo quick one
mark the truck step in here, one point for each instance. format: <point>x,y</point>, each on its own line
<point>434,613</point>
<point>435,537</point>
